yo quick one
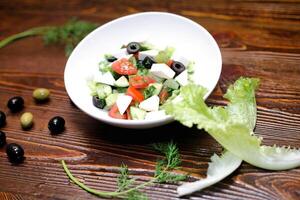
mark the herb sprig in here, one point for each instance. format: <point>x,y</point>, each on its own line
<point>69,34</point>
<point>127,188</point>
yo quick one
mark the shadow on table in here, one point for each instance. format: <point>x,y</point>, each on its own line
<point>173,131</point>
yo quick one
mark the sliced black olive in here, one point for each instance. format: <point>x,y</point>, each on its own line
<point>2,139</point>
<point>133,47</point>
<point>15,153</point>
<point>56,125</point>
<point>111,58</point>
<point>177,67</point>
<point>99,103</point>
<point>148,61</point>
<point>2,118</point>
<point>15,104</point>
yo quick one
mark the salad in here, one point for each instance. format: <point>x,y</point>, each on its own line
<point>136,80</point>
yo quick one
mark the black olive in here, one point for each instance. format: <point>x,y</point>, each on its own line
<point>177,67</point>
<point>2,118</point>
<point>2,139</point>
<point>15,104</point>
<point>111,59</point>
<point>133,47</point>
<point>15,153</point>
<point>56,125</point>
<point>99,103</point>
<point>148,61</point>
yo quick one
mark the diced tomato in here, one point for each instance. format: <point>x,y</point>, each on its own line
<point>135,94</point>
<point>114,113</point>
<point>128,114</point>
<point>163,95</point>
<point>140,81</point>
<point>169,63</point>
<point>124,67</point>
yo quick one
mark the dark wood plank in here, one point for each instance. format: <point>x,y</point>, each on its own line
<point>257,39</point>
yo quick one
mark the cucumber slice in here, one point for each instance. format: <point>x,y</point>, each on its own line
<point>103,90</point>
<point>122,82</point>
<point>137,113</point>
<point>172,84</point>
<point>110,100</point>
<point>158,87</point>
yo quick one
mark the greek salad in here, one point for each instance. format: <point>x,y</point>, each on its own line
<point>133,82</point>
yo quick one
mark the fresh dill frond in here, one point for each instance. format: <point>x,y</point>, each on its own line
<point>136,195</point>
<point>124,182</point>
<point>69,34</point>
<point>171,153</point>
<point>127,188</point>
<point>170,162</point>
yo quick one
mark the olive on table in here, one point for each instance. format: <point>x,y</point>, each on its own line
<point>56,125</point>
<point>133,47</point>
<point>2,139</point>
<point>148,61</point>
<point>99,103</point>
<point>2,118</point>
<point>26,120</point>
<point>41,94</point>
<point>15,153</point>
<point>15,104</point>
<point>177,67</point>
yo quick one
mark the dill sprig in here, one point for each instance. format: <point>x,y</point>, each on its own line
<point>170,162</point>
<point>127,188</point>
<point>69,34</point>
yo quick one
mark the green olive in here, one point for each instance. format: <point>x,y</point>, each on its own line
<point>26,120</point>
<point>41,94</point>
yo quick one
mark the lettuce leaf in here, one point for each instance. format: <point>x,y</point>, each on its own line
<point>165,55</point>
<point>218,169</point>
<point>232,128</point>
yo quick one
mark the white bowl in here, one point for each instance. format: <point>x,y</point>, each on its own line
<point>190,40</point>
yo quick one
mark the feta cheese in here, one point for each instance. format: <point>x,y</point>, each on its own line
<point>155,114</point>
<point>182,78</point>
<point>151,53</point>
<point>106,78</point>
<point>150,104</point>
<point>162,70</point>
<point>123,101</point>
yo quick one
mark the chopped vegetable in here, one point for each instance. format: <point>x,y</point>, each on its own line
<point>165,55</point>
<point>148,92</point>
<point>124,67</point>
<point>139,82</point>
<point>135,94</point>
<point>114,113</point>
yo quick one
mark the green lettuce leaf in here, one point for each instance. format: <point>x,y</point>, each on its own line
<point>232,128</point>
<point>219,168</point>
<point>165,55</point>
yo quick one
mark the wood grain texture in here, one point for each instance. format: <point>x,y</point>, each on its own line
<point>257,39</point>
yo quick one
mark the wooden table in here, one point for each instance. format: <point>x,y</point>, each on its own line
<point>257,39</point>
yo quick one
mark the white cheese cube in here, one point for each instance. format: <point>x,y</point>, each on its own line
<point>123,101</point>
<point>106,78</point>
<point>182,78</point>
<point>155,115</point>
<point>121,53</point>
<point>150,104</point>
<point>151,53</point>
<point>162,70</point>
